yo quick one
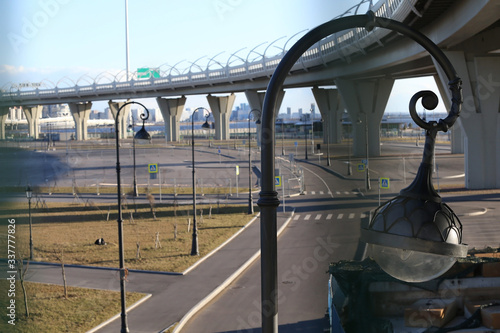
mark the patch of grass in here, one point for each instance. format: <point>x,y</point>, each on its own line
<point>51,312</point>
<point>74,228</point>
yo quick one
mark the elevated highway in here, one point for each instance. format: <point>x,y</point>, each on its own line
<point>362,65</point>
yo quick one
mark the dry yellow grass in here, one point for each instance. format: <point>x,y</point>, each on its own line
<point>51,312</point>
<point>73,228</point>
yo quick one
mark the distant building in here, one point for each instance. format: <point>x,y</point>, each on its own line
<point>55,111</point>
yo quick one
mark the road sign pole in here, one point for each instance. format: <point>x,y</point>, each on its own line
<point>379,191</point>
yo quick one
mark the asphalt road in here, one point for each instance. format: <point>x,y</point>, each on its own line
<point>324,229</point>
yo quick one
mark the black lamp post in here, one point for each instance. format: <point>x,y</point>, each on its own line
<point>305,133</point>
<point>327,130</point>
<point>282,137</point>
<point>349,168</point>
<point>367,166</point>
<point>194,244</point>
<point>444,243</point>
<point>141,134</point>
<point>29,195</point>
<point>135,192</point>
<point>250,200</point>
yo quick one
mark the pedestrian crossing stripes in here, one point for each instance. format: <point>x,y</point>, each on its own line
<point>330,216</point>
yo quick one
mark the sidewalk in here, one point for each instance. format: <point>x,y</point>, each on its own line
<point>172,295</point>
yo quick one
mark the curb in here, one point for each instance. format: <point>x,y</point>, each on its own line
<point>130,308</point>
<point>194,310</point>
<point>189,269</point>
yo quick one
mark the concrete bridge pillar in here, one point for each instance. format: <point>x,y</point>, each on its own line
<point>330,106</point>
<point>480,116</point>
<point>256,99</point>
<point>171,109</point>
<point>81,114</point>
<point>33,115</point>
<point>221,109</point>
<point>122,121</point>
<point>4,112</point>
<point>365,101</point>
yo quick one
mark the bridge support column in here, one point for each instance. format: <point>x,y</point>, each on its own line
<point>124,114</point>
<point>81,114</point>
<point>480,117</point>
<point>4,112</point>
<point>329,104</point>
<point>255,100</point>
<point>171,109</point>
<point>365,101</point>
<point>33,115</point>
<point>221,109</point>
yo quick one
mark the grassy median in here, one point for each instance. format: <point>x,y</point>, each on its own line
<point>156,240</point>
<point>51,311</point>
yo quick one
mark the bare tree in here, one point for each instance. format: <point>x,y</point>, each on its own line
<point>21,270</point>
<point>151,200</point>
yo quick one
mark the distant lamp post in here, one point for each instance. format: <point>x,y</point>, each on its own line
<point>305,132</point>
<point>412,229</point>
<point>349,168</point>
<point>327,130</point>
<point>123,272</point>
<point>142,136</point>
<point>367,166</point>
<point>29,195</point>
<point>206,126</point>
<point>282,137</point>
<point>256,114</point>
<point>312,131</point>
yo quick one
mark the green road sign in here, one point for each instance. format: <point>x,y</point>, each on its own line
<point>147,73</point>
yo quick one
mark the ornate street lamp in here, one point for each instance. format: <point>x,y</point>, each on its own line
<point>256,114</point>
<point>141,134</point>
<point>206,125</point>
<point>29,195</point>
<point>431,230</point>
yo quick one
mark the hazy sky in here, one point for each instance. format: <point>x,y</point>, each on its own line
<point>50,40</point>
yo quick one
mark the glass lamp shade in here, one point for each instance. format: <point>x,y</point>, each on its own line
<point>29,192</point>
<point>414,239</point>
<point>408,265</point>
<point>205,125</point>
<point>142,136</point>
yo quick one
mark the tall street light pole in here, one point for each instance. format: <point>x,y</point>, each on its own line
<point>141,134</point>
<point>194,243</point>
<point>250,200</point>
